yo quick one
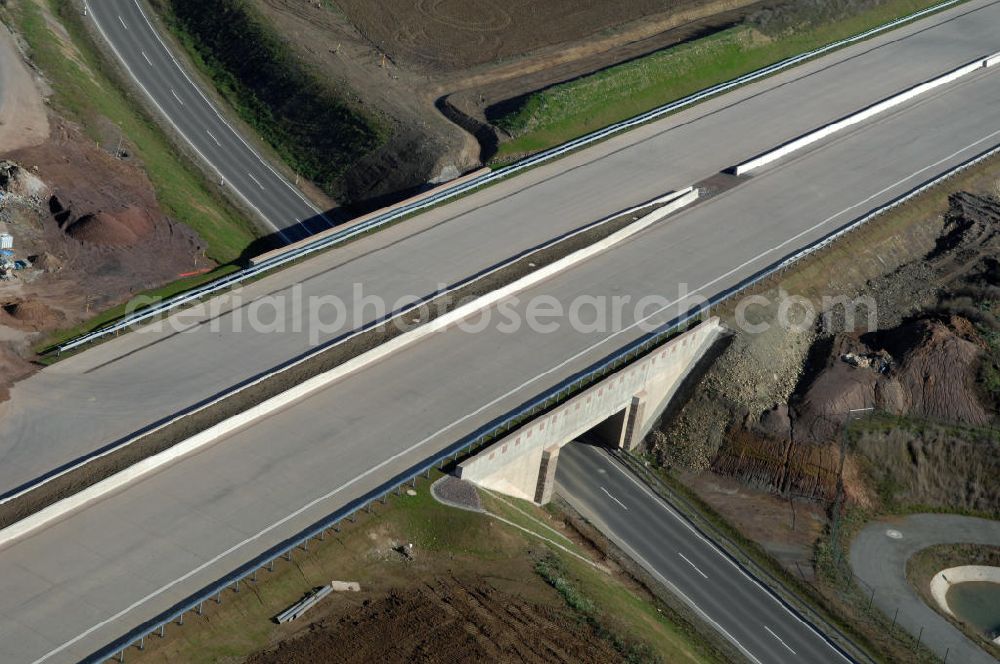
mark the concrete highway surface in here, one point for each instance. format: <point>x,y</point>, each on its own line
<point>650,532</point>
<point>75,586</point>
<point>281,207</point>
<point>79,583</point>
<point>107,393</point>
<point>878,557</point>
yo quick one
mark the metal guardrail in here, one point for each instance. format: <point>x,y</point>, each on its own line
<point>503,424</point>
<point>351,232</point>
<point>801,609</point>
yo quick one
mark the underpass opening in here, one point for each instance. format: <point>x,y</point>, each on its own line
<point>610,432</point>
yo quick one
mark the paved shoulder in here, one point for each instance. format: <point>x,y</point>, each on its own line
<point>879,554</point>
<point>689,565</point>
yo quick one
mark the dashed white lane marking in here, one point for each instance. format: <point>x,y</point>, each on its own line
<point>179,100</point>
<point>614,499</point>
<point>704,576</point>
<point>212,136</point>
<point>255,181</point>
<point>779,639</point>
<point>146,57</point>
<point>122,21</point>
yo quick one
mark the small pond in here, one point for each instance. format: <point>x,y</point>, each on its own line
<point>977,603</point>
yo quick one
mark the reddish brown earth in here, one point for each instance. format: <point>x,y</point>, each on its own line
<point>90,224</point>
<point>445,620</point>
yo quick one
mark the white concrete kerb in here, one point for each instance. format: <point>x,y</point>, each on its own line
<point>862,115</point>
<point>148,466</point>
<point>947,578</point>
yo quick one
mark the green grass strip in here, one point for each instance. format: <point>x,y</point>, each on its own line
<point>569,110</point>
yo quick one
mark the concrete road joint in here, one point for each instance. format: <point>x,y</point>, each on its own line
<point>95,492</point>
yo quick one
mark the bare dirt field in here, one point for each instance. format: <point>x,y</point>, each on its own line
<point>414,61</point>
<point>460,34</point>
<point>88,228</point>
<point>461,621</point>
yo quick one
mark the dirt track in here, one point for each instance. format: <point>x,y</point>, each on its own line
<point>23,118</point>
<point>458,621</point>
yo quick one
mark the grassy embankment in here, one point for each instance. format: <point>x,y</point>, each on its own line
<point>317,129</point>
<point>566,111</point>
<point>447,542</point>
<point>84,91</point>
<point>87,92</point>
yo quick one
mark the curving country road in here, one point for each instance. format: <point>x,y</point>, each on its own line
<point>283,209</point>
<point>878,557</point>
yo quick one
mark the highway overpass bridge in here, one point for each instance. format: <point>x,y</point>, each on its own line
<point>143,552</point>
<point>617,412</point>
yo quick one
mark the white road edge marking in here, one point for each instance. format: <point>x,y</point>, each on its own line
<point>780,640</point>
<point>174,93</point>
<point>613,498</point>
<point>687,600</point>
<point>255,181</point>
<point>670,510</point>
<point>104,34</point>
<point>249,147</point>
<point>704,576</point>
<point>506,395</point>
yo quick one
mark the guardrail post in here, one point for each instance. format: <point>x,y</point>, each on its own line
<point>353,517</point>
<point>142,642</point>
<point>236,587</point>
<point>180,620</point>
<point>305,544</point>
<point>336,527</point>
<point>288,555</point>
<point>162,630</point>
<point>121,655</point>
<point>270,565</point>
<point>201,608</point>
<point>254,576</point>
<point>218,597</point>
<point>322,535</point>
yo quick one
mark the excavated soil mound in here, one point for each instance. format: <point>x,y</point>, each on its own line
<point>445,621</point>
<point>29,316</point>
<point>118,229</point>
<point>925,368</point>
